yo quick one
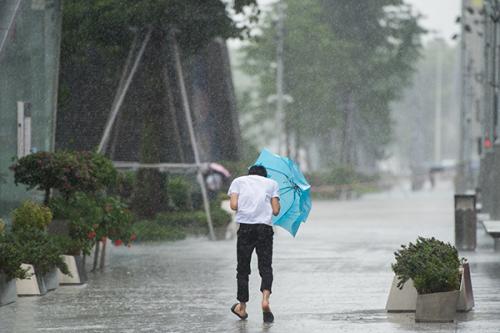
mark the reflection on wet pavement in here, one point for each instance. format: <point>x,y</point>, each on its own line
<point>334,277</point>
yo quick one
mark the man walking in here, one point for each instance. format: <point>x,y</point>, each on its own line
<point>255,198</point>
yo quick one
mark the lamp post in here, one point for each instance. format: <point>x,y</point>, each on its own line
<point>472,90</point>
<point>492,11</point>
<point>489,173</point>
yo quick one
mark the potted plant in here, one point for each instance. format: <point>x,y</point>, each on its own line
<point>434,268</point>
<point>82,213</point>
<point>92,217</point>
<point>10,267</point>
<point>116,223</point>
<point>38,248</point>
<point>44,253</point>
<point>67,172</point>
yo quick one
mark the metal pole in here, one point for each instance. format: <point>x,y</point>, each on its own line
<point>438,105</point>
<point>494,82</point>
<point>187,111</point>
<point>121,83</point>
<point>486,119</point>
<point>55,94</point>
<point>461,183</point>
<point>116,108</point>
<point>9,26</point>
<point>280,105</point>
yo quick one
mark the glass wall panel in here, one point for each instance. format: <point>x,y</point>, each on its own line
<point>29,62</point>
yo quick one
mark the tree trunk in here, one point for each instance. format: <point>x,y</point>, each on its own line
<point>160,139</point>
<point>347,143</point>
<point>46,198</point>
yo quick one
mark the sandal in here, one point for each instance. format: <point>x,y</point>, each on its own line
<point>233,310</point>
<point>268,316</point>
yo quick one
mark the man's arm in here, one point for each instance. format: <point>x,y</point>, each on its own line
<point>233,201</point>
<point>275,203</point>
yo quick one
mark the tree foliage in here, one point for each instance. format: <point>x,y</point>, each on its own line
<point>67,172</point>
<point>418,105</point>
<point>11,257</point>
<point>97,38</point>
<point>345,62</point>
<point>109,23</point>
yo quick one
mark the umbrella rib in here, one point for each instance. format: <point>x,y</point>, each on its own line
<point>284,174</point>
<point>287,211</point>
<point>289,188</point>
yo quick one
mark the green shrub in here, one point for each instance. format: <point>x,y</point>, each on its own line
<point>220,218</point>
<point>41,250</point>
<point>431,264</point>
<point>102,170</point>
<point>124,187</point>
<point>83,213</point>
<point>179,191</point>
<point>40,171</point>
<point>94,217</point>
<point>67,172</point>
<point>181,219</point>
<point>196,221</point>
<point>11,258</point>
<point>149,196</point>
<point>153,231</point>
<point>69,246</point>
<point>116,222</point>
<point>31,214</point>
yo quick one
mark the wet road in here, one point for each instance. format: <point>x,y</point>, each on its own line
<point>334,277</point>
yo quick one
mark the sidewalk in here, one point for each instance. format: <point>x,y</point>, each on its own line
<point>334,277</point>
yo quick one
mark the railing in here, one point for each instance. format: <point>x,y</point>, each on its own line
<point>162,167</point>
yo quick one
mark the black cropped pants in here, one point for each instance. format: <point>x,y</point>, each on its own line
<point>260,238</point>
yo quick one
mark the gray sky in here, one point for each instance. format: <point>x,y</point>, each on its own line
<point>439,15</point>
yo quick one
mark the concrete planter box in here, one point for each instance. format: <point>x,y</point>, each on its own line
<point>51,279</point>
<point>466,298</point>
<point>34,285</point>
<point>401,300</point>
<point>76,268</point>
<point>437,307</point>
<point>405,300</point>
<point>8,292</point>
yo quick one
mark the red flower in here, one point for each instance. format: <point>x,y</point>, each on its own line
<point>118,242</point>
<point>91,235</point>
<point>133,237</point>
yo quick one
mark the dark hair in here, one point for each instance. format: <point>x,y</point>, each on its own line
<point>258,170</point>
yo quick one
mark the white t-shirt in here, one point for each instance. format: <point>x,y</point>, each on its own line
<point>254,198</point>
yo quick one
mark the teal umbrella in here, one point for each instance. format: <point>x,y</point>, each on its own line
<point>295,196</point>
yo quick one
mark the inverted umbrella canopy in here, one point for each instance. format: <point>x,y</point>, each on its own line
<point>295,196</point>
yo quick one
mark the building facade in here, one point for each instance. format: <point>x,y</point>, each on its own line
<point>30,35</point>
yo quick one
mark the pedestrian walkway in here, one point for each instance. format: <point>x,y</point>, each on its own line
<point>334,277</point>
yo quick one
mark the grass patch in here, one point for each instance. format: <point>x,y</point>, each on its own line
<point>177,225</point>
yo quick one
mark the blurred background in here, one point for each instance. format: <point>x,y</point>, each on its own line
<point>364,96</point>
